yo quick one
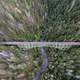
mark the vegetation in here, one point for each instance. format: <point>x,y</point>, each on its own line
<point>33,20</point>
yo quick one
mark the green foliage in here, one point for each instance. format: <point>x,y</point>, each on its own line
<point>63,20</point>
<point>23,20</point>
<point>62,25</point>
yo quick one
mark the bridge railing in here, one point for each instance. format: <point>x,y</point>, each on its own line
<point>29,45</point>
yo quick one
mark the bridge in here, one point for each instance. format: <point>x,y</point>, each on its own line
<point>29,45</point>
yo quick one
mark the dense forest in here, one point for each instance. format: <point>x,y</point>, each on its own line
<point>39,20</point>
